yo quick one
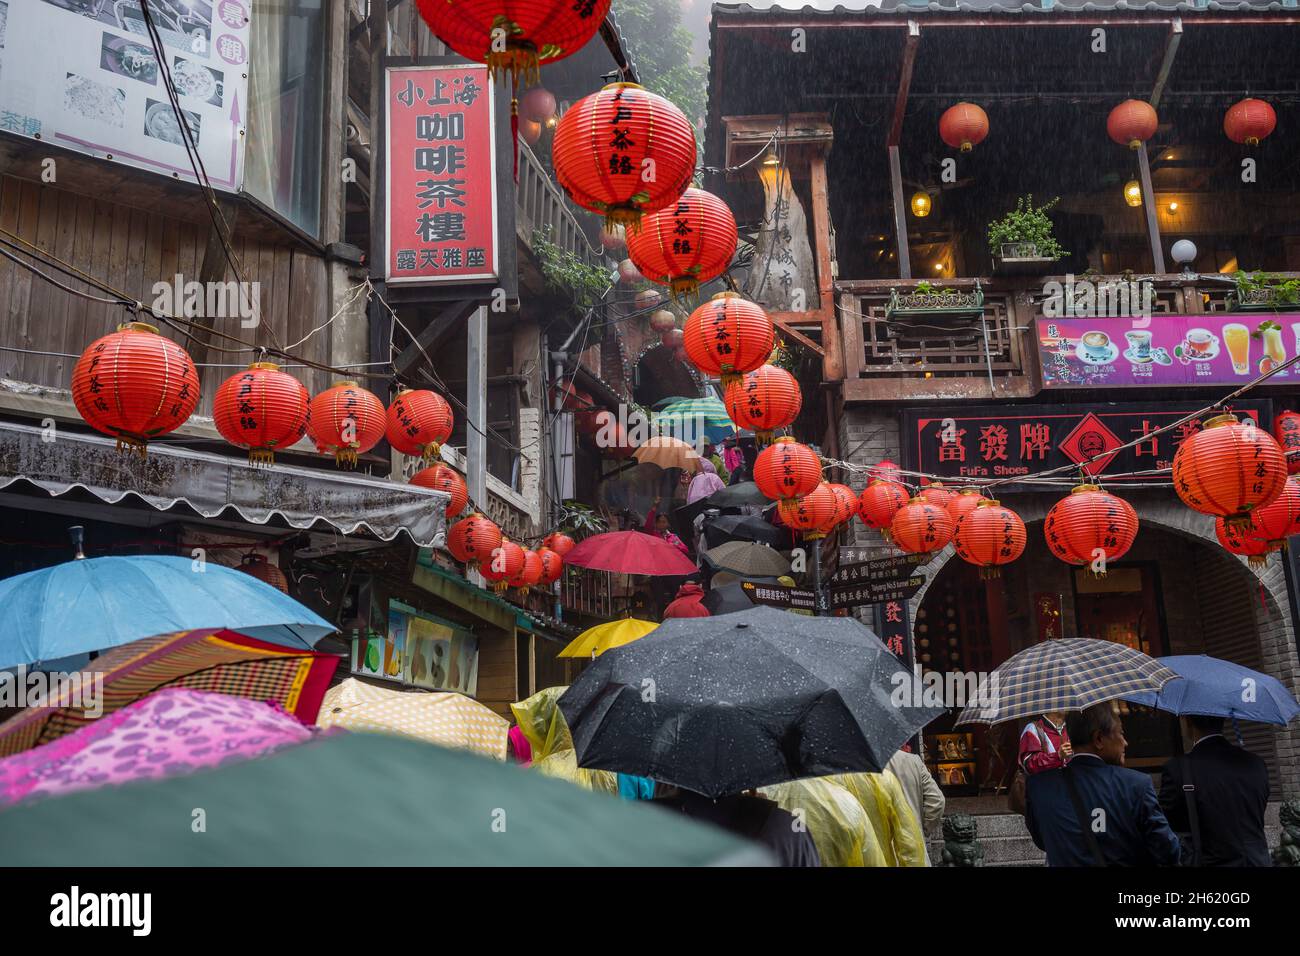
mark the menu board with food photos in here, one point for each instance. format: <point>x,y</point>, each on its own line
<point>88,75</point>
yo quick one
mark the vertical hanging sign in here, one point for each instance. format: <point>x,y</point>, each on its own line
<point>441,183</point>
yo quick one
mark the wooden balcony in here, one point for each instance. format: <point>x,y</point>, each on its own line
<point>594,593</point>
<point>541,206</point>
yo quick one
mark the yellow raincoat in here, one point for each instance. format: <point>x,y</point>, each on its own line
<point>542,723</point>
<point>895,827</point>
<point>838,825</point>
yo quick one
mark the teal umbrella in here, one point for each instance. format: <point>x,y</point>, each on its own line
<point>689,418</point>
<point>360,800</point>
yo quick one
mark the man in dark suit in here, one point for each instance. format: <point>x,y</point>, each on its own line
<point>1230,789</point>
<point>1112,817</point>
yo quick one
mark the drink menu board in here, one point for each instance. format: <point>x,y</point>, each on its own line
<point>1212,349</point>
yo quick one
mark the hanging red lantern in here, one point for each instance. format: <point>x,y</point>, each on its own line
<point>812,513</point>
<point>672,339</point>
<point>538,106</point>
<point>614,239</point>
<point>1276,521</point>
<point>963,502</point>
<point>472,540</point>
<point>729,336</point>
<point>886,470</point>
<point>346,420</point>
<point>662,321</point>
<point>135,385</point>
<point>786,469</point>
<point>559,542</point>
<point>1228,469</point>
<point>257,566</point>
<point>1090,527</point>
<point>261,409</point>
<point>989,536</point>
<point>921,527</point>
<point>685,244</point>
<point>514,38</point>
<point>552,565</point>
<point>1286,429</point>
<point>530,132</point>
<point>879,502</point>
<point>1248,121</point>
<point>530,575</point>
<point>1132,123</point>
<point>764,400</point>
<point>419,421</point>
<point>963,126</point>
<point>627,271</point>
<point>1237,541</point>
<point>624,152</point>
<point>505,564</point>
<point>846,502</point>
<point>936,494</point>
<point>445,478</point>
<point>647,299</point>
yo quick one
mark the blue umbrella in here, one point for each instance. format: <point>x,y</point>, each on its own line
<point>97,603</point>
<point>1216,688</point>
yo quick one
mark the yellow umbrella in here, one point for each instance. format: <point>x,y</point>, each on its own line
<point>667,452</point>
<point>603,637</point>
<point>449,720</point>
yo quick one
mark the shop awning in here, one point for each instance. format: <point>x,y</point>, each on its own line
<point>58,462</point>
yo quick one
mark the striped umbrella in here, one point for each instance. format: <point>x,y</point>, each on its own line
<point>691,418</point>
<point>1064,675</point>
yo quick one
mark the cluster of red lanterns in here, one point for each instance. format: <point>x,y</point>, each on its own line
<point>478,543</point>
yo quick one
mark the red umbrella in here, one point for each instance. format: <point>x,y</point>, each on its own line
<point>630,552</point>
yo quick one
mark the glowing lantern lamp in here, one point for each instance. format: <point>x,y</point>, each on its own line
<point>1133,193</point>
<point>921,204</point>
<point>261,409</point>
<point>989,536</point>
<point>1228,469</point>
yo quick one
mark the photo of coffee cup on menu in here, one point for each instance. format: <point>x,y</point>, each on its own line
<point>1200,340</point>
<point>1139,343</point>
<point>1096,344</point>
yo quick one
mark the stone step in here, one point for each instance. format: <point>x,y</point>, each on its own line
<point>1009,850</point>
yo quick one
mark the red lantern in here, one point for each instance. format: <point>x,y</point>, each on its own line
<point>1248,121</point>
<point>506,562</point>
<point>614,239</point>
<point>887,470</point>
<point>257,566</point>
<point>1132,123</point>
<point>135,385</point>
<point>530,132</point>
<point>1090,527</point>
<point>538,106</point>
<point>261,409</point>
<point>963,126</point>
<point>444,478</point>
<point>346,420</point>
<point>627,272</point>
<point>1279,519</point>
<point>530,575</point>
<point>729,336</point>
<point>685,244</point>
<point>786,469</point>
<point>624,152</point>
<point>879,502</point>
<point>552,565</point>
<point>1255,550</point>
<point>921,527</point>
<point>812,513</point>
<point>846,502</point>
<point>419,421</point>
<point>936,494</point>
<point>989,536</point>
<point>764,400</point>
<point>647,299</point>
<point>662,321</point>
<point>558,542</point>
<point>1286,429</point>
<point>1228,469</point>
<point>963,502</point>
<point>473,539</point>
<point>672,339</point>
<point>532,31</point>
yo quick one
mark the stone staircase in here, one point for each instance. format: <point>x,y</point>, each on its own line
<point>1005,840</point>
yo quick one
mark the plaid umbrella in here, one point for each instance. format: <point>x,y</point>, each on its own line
<point>746,558</point>
<point>1064,675</point>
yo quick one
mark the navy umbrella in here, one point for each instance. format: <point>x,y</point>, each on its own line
<point>719,705</point>
<point>1216,688</point>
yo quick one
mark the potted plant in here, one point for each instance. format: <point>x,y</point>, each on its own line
<point>1262,292</point>
<point>1022,240</point>
<point>928,299</point>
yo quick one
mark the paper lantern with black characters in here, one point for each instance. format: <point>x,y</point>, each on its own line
<point>764,400</point>
<point>505,563</point>
<point>786,469</point>
<point>624,152</point>
<point>989,536</point>
<point>1239,542</point>
<point>515,37</point>
<point>472,540</point>
<point>729,336</point>
<point>135,385</point>
<point>812,513</point>
<point>559,542</point>
<point>1090,527</point>
<point>1286,429</point>
<point>1228,469</point>
<point>346,421</point>
<point>419,421</point>
<point>685,244</point>
<point>1248,121</point>
<point>846,502</point>
<point>261,409</point>
<point>552,565</point>
<point>963,501</point>
<point>529,574</point>
<point>936,493</point>
<point>963,126</point>
<point>879,502</point>
<point>443,477</point>
<point>1278,520</point>
<point>921,527</point>
<point>1132,123</point>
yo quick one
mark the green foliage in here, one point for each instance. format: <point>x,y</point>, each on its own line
<point>581,520</point>
<point>661,49</point>
<point>1027,223</point>
<point>1285,291</point>
<point>926,288</point>
<point>568,275</point>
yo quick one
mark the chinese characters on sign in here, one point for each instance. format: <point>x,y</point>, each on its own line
<point>441,184</point>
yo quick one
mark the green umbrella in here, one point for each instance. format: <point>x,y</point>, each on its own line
<point>691,417</point>
<point>360,800</point>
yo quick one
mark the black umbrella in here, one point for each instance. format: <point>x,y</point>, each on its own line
<point>718,705</point>
<point>733,496</point>
<point>726,528</point>
<point>730,598</point>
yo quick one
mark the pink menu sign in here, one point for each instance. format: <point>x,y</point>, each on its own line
<point>1222,348</point>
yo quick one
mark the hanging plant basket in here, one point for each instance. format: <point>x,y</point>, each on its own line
<point>1257,300</point>
<point>1021,258</point>
<point>947,302</point>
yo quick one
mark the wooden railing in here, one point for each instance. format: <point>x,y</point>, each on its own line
<point>541,206</point>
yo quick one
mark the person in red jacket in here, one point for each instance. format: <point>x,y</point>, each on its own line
<point>1044,744</point>
<point>687,603</point>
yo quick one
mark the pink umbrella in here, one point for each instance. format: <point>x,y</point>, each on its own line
<point>170,732</point>
<point>630,552</point>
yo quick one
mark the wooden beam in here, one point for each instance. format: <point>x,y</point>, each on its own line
<point>833,355</point>
<point>1149,207</point>
<point>783,321</point>
<point>1167,63</point>
<point>431,336</point>
<point>904,82</point>
<point>900,214</point>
